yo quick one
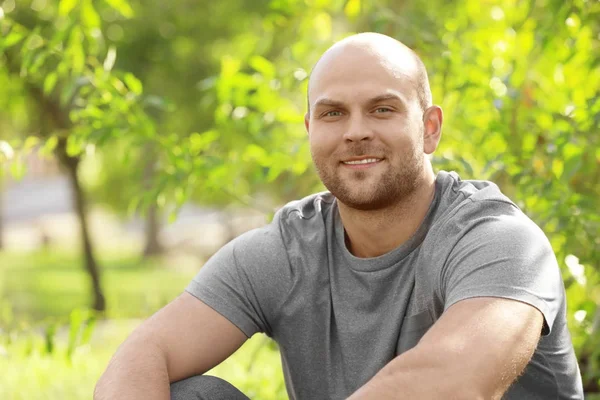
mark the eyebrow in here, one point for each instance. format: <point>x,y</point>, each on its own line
<point>335,103</point>
<point>328,102</point>
<point>384,97</point>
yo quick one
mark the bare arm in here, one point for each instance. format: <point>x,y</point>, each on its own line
<point>185,338</point>
<point>474,351</point>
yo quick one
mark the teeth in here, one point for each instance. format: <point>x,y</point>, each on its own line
<point>365,161</point>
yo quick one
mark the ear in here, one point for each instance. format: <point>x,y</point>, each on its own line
<point>307,121</point>
<point>432,121</point>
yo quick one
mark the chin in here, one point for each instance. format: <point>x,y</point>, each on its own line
<point>365,201</point>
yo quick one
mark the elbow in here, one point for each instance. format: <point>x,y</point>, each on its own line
<point>462,388</point>
<point>465,388</point>
<point>105,386</point>
<point>415,372</point>
<point>99,390</point>
<point>465,391</point>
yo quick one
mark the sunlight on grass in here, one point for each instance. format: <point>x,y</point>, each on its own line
<point>40,290</point>
<point>28,371</point>
<point>45,284</point>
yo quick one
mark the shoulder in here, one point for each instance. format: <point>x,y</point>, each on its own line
<point>481,226</point>
<point>298,220</point>
<point>456,193</point>
<point>313,206</point>
<point>478,206</point>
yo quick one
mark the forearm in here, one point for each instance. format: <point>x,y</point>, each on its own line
<point>138,370</point>
<point>414,376</point>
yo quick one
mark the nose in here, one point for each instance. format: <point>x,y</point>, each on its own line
<point>358,129</point>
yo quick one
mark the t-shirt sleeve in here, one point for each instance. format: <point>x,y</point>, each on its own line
<point>504,256</point>
<point>242,280</point>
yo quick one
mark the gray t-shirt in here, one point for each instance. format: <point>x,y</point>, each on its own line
<point>339,319</point>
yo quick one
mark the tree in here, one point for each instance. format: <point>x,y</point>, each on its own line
<point>79,100</point>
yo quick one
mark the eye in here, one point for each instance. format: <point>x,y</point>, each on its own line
<point>334,113</point>
<point>380,110</point>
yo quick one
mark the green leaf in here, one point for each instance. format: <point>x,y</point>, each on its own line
<point>66,6</point>
<point>88,328</point>
<point>75,50</point>
<point>229,67</point>
<point>122,7</point>
<point>66,93</point>
<point>572,166</point>
<point>74,145</point>
<point>161,200</point>
<point>352,9</point>
<point>133,83</point>
<point>254,153</point>
<point>557,167</point>
<point>11,39</point>
<point>322,25</point>
<point>38,61</point>
<point>49,146</point>
<point>199,142</point>
<point>76,319</point>
<point>262,65</point>
<point>89,16</point>
<point>17,169</point>
<point>30,143</point>
<point>132,207</point>
<point>50,82</point>
<point>180,196</point>
<point>173,216</point>
<point>49,338</point>
<point>28,53</point>
<point>299,167</point>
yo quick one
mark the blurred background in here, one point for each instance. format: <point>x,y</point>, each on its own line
<point>137,137</point>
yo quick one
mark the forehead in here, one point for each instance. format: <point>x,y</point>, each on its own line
<point>354,74</point>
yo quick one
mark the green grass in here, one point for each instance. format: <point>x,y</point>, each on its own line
<point>40,289</point>
<point>29,372</point>
<point>50,284</point>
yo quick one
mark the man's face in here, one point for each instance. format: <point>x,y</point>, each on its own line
<point>365,130</point>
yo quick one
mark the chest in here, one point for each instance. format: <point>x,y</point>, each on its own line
<point>390,307</point>
<point>340,326</point>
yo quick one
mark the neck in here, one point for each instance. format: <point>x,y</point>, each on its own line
<point>376,232</point>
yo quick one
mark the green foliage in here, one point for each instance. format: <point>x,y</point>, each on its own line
<point>518,81</point>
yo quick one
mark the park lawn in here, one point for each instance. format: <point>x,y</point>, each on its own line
<point>29,372</point>
<point>51,284</point>
<point>39,289</point>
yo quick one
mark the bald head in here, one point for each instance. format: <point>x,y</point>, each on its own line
<point>366,51</point>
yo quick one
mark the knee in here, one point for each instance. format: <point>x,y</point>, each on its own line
<point>205,387</point>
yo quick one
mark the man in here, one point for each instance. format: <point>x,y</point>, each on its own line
<point>396,284</point>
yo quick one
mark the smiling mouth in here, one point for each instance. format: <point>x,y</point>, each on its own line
<point>362,161</point>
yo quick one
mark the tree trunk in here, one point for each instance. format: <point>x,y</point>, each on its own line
<point>57,117</point>
<point>152,229</point>
<point>153,246</point>
<point>72,166</point>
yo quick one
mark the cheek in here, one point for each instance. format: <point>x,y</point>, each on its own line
<point>403,130</point>
<point>317,146</point>
<point>323,140</point>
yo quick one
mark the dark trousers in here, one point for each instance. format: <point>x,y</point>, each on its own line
<point>205,387</point>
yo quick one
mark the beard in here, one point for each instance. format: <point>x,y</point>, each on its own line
<point>371,190</point>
